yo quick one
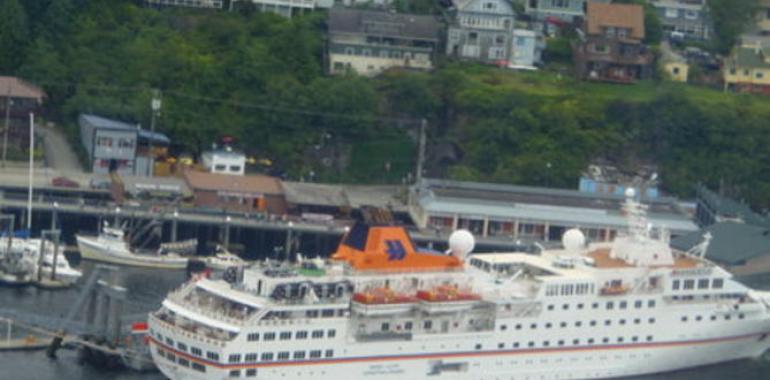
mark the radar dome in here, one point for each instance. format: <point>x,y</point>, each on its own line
<point>573,240</point>
<point>461,243</point>
<point>630,192</point>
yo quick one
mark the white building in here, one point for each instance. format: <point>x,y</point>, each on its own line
<point>224,161</point>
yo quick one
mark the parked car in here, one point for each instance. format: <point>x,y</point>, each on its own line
<point>64,182</point>
<point>100,184</point>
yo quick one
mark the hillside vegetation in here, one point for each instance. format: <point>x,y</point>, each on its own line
<point>259,78</point>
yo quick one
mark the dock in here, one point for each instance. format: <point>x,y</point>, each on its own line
<point>28,343</point>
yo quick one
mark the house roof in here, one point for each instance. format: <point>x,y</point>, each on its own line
<point>749,57</point>
<point>343,20</point>
<point>19,88</point>
<point>732,243</point>
<point>198,180</point>
<point>105,123</point>
<point>601,15</point>
<point>730,208</point>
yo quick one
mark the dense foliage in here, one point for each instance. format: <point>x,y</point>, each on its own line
<point>260,78</point>
<point>731,18</point>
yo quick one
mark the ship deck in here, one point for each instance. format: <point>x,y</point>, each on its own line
<point>602,259</point>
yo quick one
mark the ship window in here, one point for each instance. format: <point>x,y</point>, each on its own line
<point>595,305</point>
<point>607,322</point>
<point>591,341</point>
<point>548,325</point>
<point>741,316</point>
<point>560,343</point>
<point>637,321</point>
<point>234,358</point>
<point>329,312</point>
<point>649,338</point>
<point>531,344</point>
<point>622,321</point>
<point>299,354</point>
<point>533,326</point>
<point>698,318</point>
<point>283,355</point>
<point>546,343</point>
<point>269,336</point>
<point>478,346</point>
<point>638,304</point>
<point>718,283</point>
<point>212,356</point>
<point>651,320</point>
<point>634,338</point>
<point>727,317</point>
<point>267,356</point>
<point>183,362</point>
<point>713,318</point>
<point>408,325</point>
<point>285,335</point>
<point>605,340</point>
<point>576,341</point>
<point>181,346</point>
<point>516,345</point>
<point>427,325</point>
<point>320,333</point>
<point>689,284</point>
<point>251,372</point>
<point>315,354</point>
<point>578,324</point>
<point>198,367</point>
<point>161,352</point>
<point>675,285</point>
<point>610,305</point>
<point>563,324</point>
<point>251,358</point>
<point>623,304</point>
<point>703,283</point>
<point>196,351</point>
<point>169,342</point>
<point>329,353</point>
<point>620,339</point>
<point>331,333</point>
<point>501,345</point>
<point>300,335</point>
<point>385,327</point>
<point>518,327</point>
<point>593,323</point>
<point>235,373</point>
<point>651,303</point>
<point>252,337</point>
<point>580,306</point>
<point>565,306</point>
<point>550,307</point>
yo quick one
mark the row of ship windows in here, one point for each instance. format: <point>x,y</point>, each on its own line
<point>593,323</point>
<point>610,305</point>
<point>703,283</point>
<point>575,342</point>
<point>287,335</point>
<point>699,318</point>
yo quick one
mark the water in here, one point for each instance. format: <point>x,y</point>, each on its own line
<point>147,289</point>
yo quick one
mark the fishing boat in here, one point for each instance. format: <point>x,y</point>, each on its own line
<point>111,246</point>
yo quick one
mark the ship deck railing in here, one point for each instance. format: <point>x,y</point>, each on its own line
<point>192,330</point>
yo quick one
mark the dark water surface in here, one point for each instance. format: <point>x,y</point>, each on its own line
<point>147,288</point>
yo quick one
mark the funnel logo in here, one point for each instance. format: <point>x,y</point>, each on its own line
<point>395,250</point>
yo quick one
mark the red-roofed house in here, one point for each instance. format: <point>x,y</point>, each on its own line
<point>611,48</point>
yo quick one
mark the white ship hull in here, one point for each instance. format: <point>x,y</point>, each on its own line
<point>92,249</point>
<point>597,362</point>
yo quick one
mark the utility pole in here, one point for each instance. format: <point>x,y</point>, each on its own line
<point>421,151</point>
<point>7,122</point>
<point>155,105</point>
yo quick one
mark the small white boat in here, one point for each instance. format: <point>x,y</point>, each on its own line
<point>110,246</point>
<point>224,259</point>
<point>64,272</point>
<point>21,264</point>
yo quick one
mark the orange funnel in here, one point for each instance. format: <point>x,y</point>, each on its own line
<point>384,248</point>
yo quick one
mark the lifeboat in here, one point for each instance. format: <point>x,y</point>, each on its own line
<point>382,301</point>
<point>446,299</point>
<point>389,248</point>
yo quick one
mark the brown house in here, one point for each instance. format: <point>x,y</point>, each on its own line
<point>611,47</point>
<point>249,193</point>
<point>17,99</point>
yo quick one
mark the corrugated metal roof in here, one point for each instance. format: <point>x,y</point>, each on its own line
<point>235,183</point>
<point>731,243</point>
<point>19,88</point>
<point>103,122</point>
<point>343,20</point>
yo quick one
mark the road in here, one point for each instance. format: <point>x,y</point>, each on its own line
<point>59,154</point>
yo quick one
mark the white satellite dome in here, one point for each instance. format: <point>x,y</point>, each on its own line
<point>461,243</point>
<point>630,192</point>
<point>573,240</point>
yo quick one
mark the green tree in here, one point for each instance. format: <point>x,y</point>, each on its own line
<point>731,18</point>
<point>14,34</point>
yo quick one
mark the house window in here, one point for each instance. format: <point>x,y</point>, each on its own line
<point>690,15</point>
<point>600,49</point>
<point>104,141</point>
<point>622,32</point>
<point>349,51</point>
<point>499,39</point>
<point>760,75</point>
<point>561,3</point>
<point>672,13</point>
<point>473,37</point>
<point>675,71</point>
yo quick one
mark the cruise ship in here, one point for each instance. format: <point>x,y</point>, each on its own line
<point>382,309</point>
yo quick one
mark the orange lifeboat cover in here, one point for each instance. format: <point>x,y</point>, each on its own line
<point>383,248</point>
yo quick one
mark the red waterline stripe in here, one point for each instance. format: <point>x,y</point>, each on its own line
<point>453,354</point>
